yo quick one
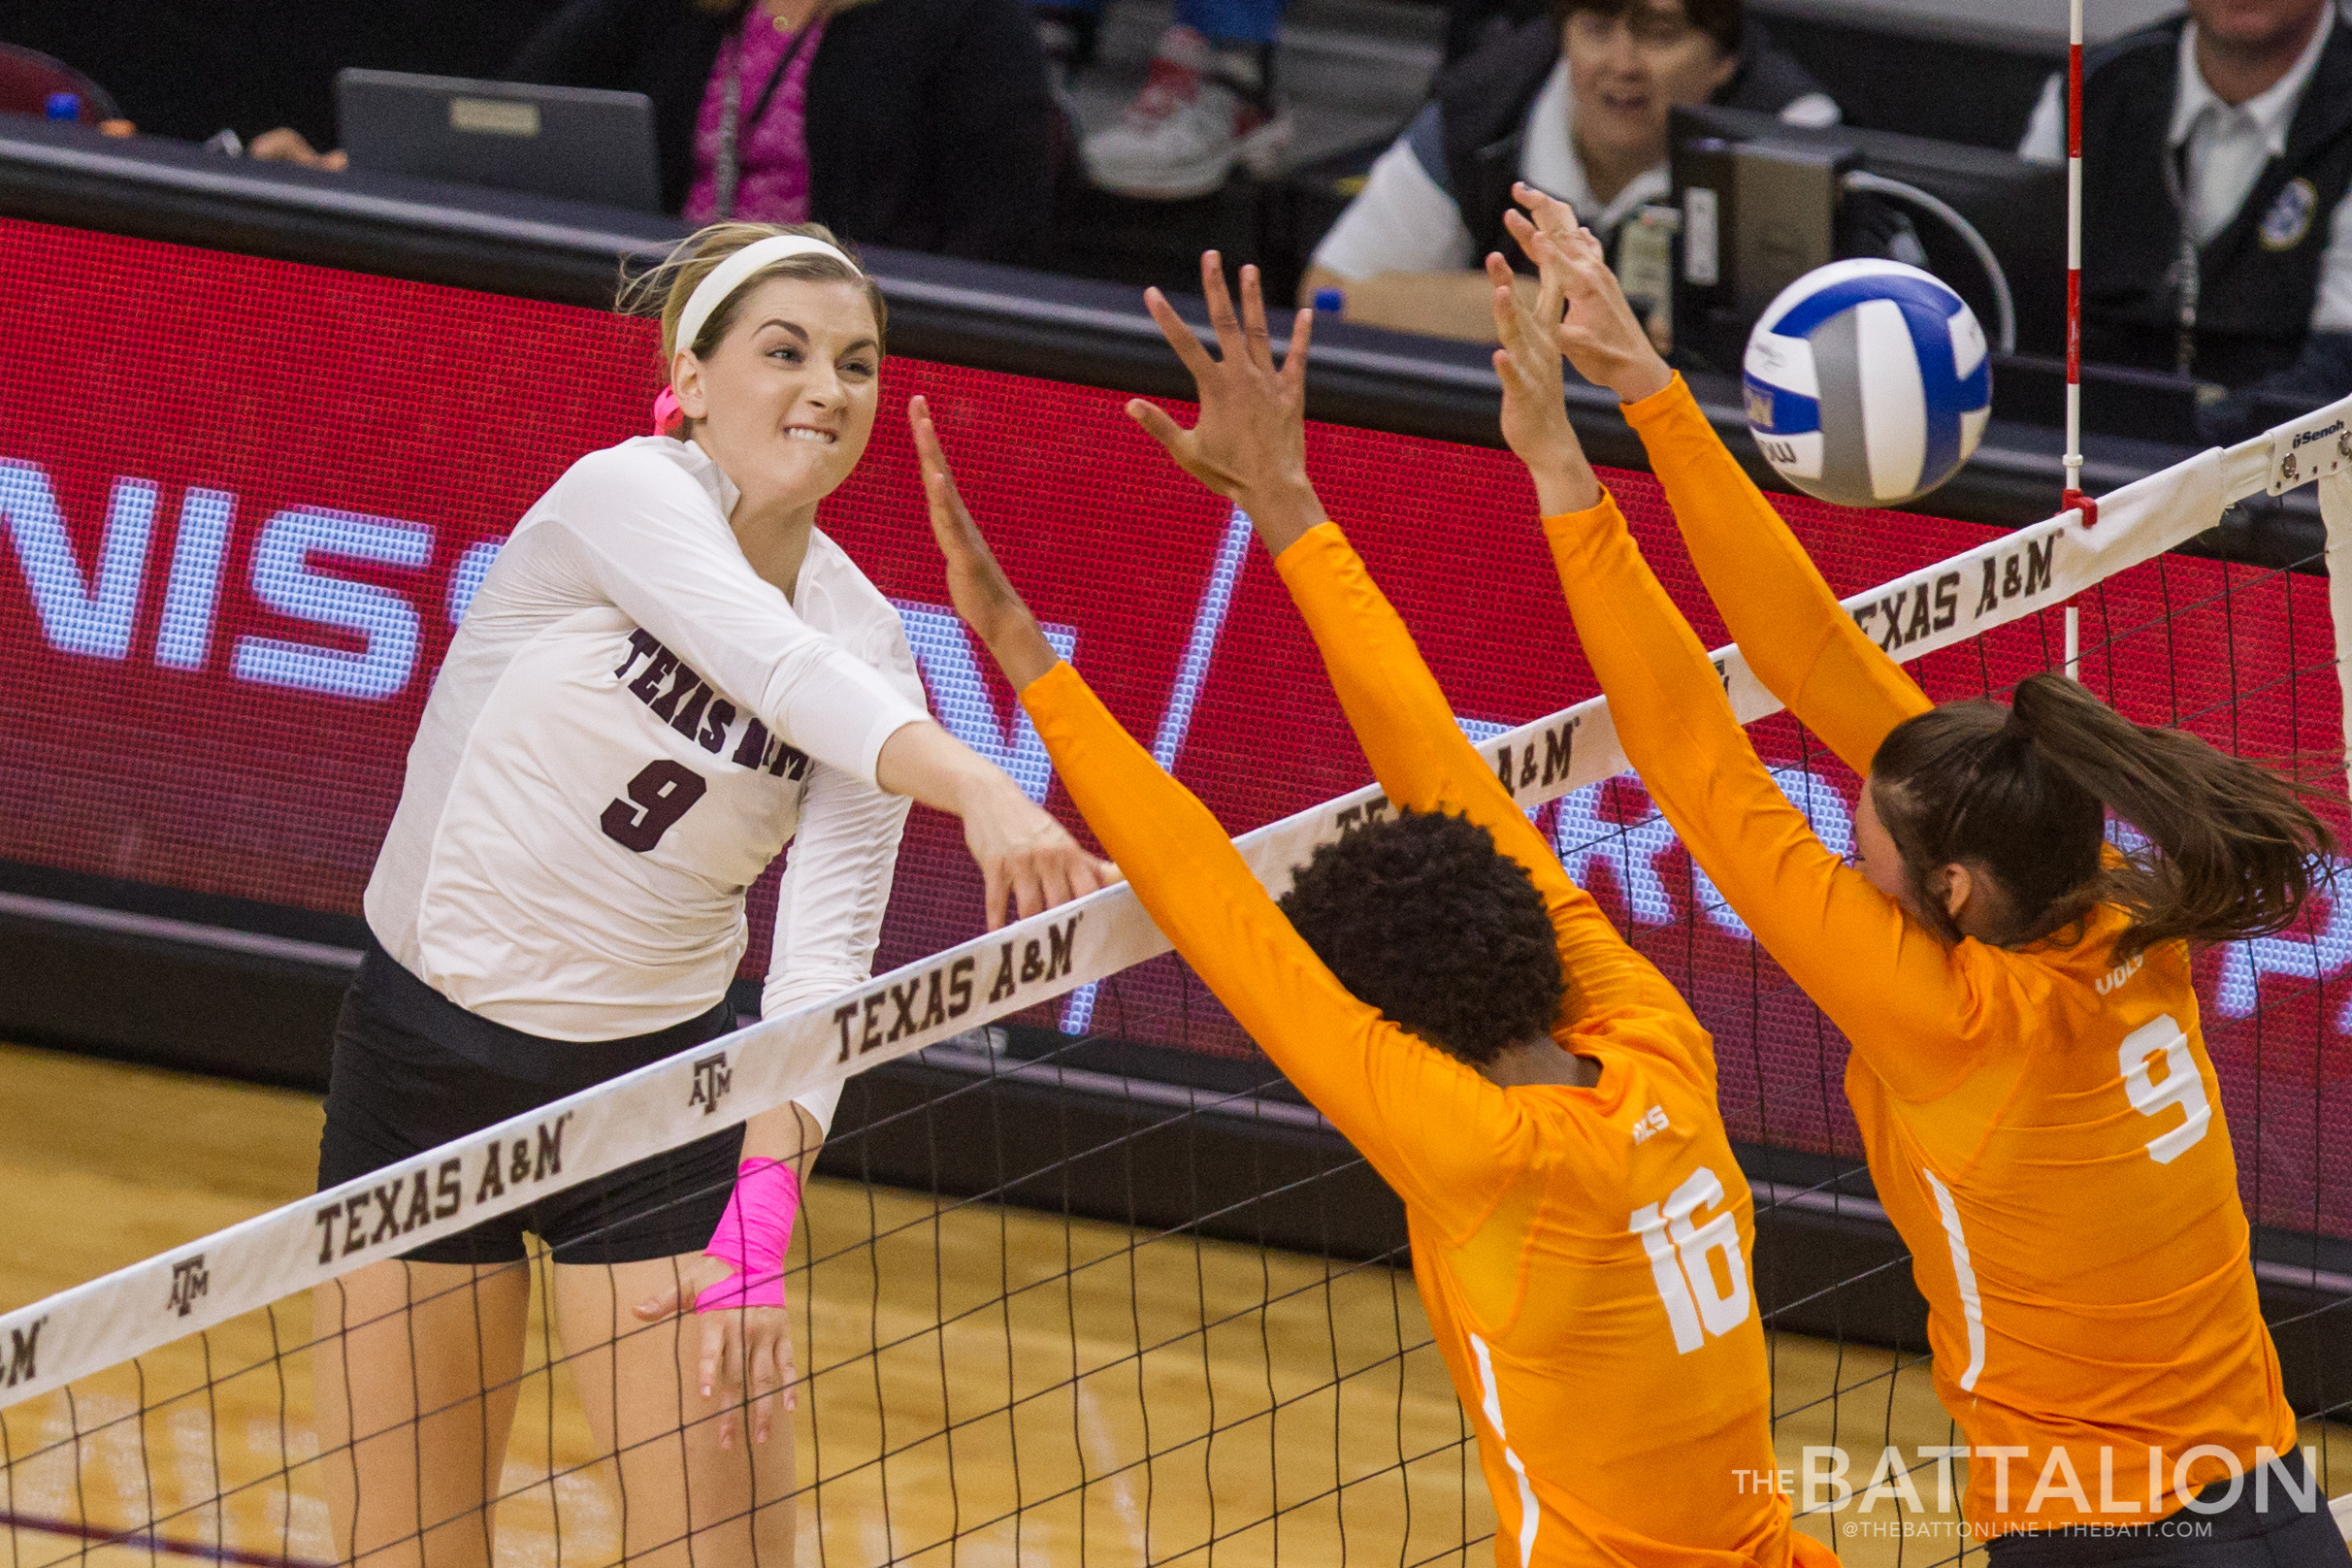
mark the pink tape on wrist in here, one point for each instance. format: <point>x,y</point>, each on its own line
<point>753,1235</point>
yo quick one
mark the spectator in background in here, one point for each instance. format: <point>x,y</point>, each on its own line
<point>1576,104</point>
<point>2217,233</point>
<point>926,124</point>
<point>1208,104</point>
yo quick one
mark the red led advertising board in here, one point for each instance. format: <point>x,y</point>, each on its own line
<point>246,502</point>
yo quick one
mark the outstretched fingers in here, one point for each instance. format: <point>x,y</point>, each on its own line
<point>1160,425</point>
<point>1232,343</point>
<point>994,884</point>
<point>1249,429</point>
<point>952,525</point>
<point>1518,330</point>
<point>1260,334</point>
<point>938,480</point>
<point>769,1363</point>
<point>1295,363</point>
<point>1554,216</point>
<point>1552,285</point>
<point>926,435</point>
<point>1027,883</point>
<point>1506,305</point>
<point>1254,320</point>
<point>1575,251</point>
<point>1551,270</point>
<point>1580,294</point>
<point>719,1372</point>
<point>1182,338</point>
<point>766,1380</point>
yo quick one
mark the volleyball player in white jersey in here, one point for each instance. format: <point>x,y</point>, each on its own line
<point>667,675</point>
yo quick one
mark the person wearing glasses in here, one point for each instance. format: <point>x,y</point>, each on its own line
<point>1576,104</point>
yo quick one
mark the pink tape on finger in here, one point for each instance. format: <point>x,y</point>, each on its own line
<point>753,1235</point>
<point>667,415</point>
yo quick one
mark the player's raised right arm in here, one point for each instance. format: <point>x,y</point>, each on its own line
<point>644,536</point>
<point>1250,446</point>
<point>1879,975</point>
<point>639,533</point>
<point>1793,632</point>
<point>1447,1138</point>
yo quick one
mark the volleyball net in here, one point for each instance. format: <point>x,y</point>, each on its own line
<point>1048,1303</point>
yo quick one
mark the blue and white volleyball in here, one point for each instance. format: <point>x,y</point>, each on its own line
<point>1868,383</point>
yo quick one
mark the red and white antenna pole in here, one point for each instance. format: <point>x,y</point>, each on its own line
<point>2073,499</point>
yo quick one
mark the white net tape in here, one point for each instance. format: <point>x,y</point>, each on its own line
<point>126,1314</point>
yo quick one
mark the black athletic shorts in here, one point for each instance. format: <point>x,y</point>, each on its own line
<point>2279,1534</point>
<point>413,1070</point>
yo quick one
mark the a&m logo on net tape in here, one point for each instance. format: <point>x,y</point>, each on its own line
<point>190,1280</point>
<point>23,1347</point>
<point>712,1079</point>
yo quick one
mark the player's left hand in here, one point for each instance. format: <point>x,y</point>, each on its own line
<point>983,598</point>
<point>1250,443</point>
<point>1607,342</point>
<point>1535,410</point>
<point>1023,854</point>
<point>746,1355</point>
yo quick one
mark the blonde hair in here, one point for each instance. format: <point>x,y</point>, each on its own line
<point>666,286</point>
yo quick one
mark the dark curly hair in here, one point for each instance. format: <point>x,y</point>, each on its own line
<point>1421,917</point>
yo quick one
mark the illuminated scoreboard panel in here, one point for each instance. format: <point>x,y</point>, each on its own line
<point>248,502</point>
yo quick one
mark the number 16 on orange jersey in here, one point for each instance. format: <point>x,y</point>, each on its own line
<point>1701,1276</point>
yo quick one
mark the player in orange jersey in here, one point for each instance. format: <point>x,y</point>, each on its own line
<point>1581,1232</point>
<point>2035,1099</point>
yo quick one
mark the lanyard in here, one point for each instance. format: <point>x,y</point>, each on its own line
<point>2185,272</point>
<point>729,173</point>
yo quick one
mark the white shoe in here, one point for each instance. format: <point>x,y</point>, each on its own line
<point>1200,114</point>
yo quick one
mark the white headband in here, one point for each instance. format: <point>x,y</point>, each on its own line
<point>730,275</point>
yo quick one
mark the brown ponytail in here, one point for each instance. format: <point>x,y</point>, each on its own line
<point>2023,795</point>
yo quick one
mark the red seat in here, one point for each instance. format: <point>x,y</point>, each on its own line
<point>27,78</point>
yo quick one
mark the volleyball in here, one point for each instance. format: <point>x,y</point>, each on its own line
<point>572,1106</point>
<point>1868,383</point>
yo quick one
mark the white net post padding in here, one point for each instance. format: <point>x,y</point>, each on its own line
<point>126,1314</point>
<point>2335,511</point>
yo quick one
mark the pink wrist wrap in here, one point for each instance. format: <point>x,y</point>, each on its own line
<point>754,1234</point>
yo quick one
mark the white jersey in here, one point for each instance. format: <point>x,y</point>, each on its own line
<point>630,726</point>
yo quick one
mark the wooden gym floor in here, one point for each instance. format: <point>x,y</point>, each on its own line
<point>985,1384</point>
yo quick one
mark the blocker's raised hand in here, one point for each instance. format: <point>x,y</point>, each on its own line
<point>1250,445</point>
<point>983,598</point>
<point>1023,854</point>
<point>1601,336</point>
<point>1535,410</point>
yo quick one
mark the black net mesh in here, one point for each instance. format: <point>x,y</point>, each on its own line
<point>1091,1285</point>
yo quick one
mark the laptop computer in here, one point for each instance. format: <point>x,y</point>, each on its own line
<point>581,143</point>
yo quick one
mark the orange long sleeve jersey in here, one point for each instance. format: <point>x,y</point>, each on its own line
<point>1583,1253</point>
<point>2042,1123</point>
